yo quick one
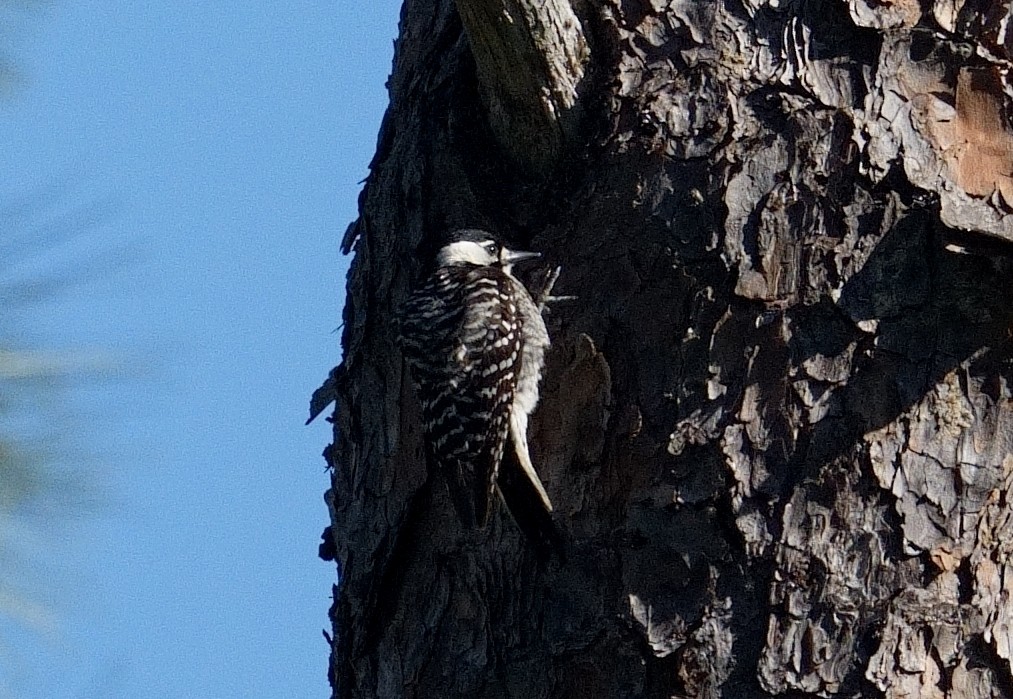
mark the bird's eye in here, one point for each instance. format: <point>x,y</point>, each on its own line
<point>493,249</point>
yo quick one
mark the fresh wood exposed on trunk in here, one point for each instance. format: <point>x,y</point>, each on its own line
<point>530,57</point>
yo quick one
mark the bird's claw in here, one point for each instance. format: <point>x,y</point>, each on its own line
<point>544,294</point>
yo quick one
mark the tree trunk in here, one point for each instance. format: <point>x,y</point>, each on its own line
<point>777,422</point>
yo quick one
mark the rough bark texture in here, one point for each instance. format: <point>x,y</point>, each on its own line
<point>777,425</point>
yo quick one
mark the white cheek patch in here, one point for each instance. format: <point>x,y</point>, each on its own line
<point>464,252</point>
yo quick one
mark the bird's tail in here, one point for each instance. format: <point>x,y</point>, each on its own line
<point>528,503</point>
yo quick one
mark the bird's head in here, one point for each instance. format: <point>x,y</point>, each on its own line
<point>479,248</point>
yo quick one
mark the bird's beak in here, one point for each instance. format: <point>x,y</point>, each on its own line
<point>512,257</point>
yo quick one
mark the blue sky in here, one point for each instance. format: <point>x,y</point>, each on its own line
<point>210,155</point>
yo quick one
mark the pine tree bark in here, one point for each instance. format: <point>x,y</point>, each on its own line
<point>777,424</point>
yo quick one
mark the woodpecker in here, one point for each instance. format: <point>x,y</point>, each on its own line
<point>475,343</point>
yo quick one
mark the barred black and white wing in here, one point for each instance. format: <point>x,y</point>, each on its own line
<point>461,337</point>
